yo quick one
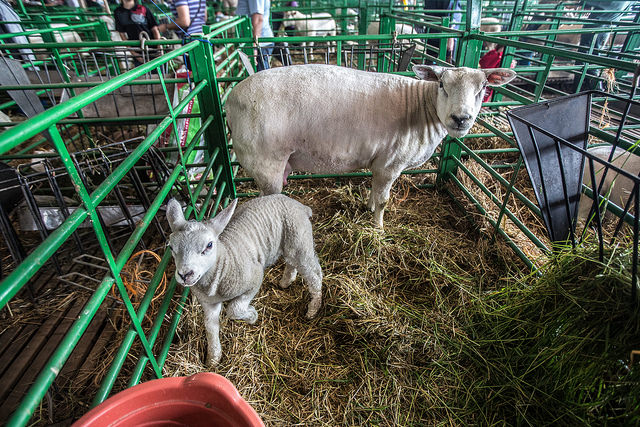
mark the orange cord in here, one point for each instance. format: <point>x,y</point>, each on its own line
<point>132,275</point>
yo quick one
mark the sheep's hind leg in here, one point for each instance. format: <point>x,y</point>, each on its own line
<point>271,177</point>
<point>312,273</point>
<point>289,276</point>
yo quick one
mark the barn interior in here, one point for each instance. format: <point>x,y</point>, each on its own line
<point>502,290</point>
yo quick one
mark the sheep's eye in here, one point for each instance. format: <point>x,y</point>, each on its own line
<point>209,246</point>
<point>442,87</point>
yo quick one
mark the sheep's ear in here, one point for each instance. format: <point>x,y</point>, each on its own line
<point>175,215</point>
<point>499,76</point>
<point>430,73</point>
<point>220,221</point>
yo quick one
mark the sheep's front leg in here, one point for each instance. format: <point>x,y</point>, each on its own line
<point>239,308</point>
<point>380,189</point>
<point>212,325</point>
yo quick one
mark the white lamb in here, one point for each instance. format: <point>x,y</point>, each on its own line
<point>328,119</point>
<point>223,259</point>
<point>315,24</point>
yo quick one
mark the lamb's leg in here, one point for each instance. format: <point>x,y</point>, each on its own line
<point>312,274</point>
<point>239,308</point>
<point>300,253</point>
<point>212,325</point>
<point>289,276</point>
<point>380,189</point>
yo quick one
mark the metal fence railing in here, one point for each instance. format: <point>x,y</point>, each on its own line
<point>484,169</point>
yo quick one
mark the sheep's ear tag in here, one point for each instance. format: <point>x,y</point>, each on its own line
<point>220,221</point>
<point>430,73</point>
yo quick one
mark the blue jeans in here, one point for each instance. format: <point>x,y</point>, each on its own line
<point>262,61</point>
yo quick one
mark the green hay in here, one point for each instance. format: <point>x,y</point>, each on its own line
<point>553,350</point>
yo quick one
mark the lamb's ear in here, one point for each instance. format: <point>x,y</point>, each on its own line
<point>430,73</point>
<point>175,215</point>
<point>499,76</point>
<point>220,221</point>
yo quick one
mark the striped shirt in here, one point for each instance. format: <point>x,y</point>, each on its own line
<point>197,9</point>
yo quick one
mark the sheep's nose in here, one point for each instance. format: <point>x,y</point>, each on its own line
<point>186,275</point>
<point>460,119</point>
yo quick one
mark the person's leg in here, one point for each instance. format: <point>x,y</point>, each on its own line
<point>586,40</point>
<point>264,55</point>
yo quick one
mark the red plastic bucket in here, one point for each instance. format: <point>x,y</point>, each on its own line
<point>204,399</point>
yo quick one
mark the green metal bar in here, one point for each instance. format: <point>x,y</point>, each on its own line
<point>65,157</point>
<point>48,31</point>
<point>528,203</point>
<point>210,106</point>
<point>54,365</point>
<point>162,311</point>
<point>496,201</point>
<point>483,211</point>
<point>35,260</point>
<point>14,136</point>
<point>127,342</point>
<point>177,314</point>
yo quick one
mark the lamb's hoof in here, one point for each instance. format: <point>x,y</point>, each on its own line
<point>252,315</point>
<point>215,359</point>
<point>287,279</point>
<point>314,307</point>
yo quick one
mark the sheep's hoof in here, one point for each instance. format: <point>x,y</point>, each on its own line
<point>215,359</point>
<point>314,307</point>
<point>289,276</point>
<point>252,315</point>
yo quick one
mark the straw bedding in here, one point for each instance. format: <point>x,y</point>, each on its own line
<point>426,323</point>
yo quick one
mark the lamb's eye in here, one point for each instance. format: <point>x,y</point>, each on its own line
<point>209,246</point>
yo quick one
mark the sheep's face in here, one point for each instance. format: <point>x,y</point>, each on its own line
<point>194,250</point>
<point>292,15</point>
<point>460,93</point>
<point>194,245</point>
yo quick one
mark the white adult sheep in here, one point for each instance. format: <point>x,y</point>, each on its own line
<point>223,259</point>
<point>616,188</point>
<point>401,28</point>
<point>64,35</point>
<point>350,15</point>
<point>329,119</point>
<point>315,24</point>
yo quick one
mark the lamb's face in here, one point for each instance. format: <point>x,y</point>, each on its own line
<point>194,250</point>
<point>460,94</point>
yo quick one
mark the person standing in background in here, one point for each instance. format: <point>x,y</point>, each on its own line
<point>617,10</point>
<point>132,20</point>
<point>259,11</point>
<point>456,19</point>
<point>189,16</point>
